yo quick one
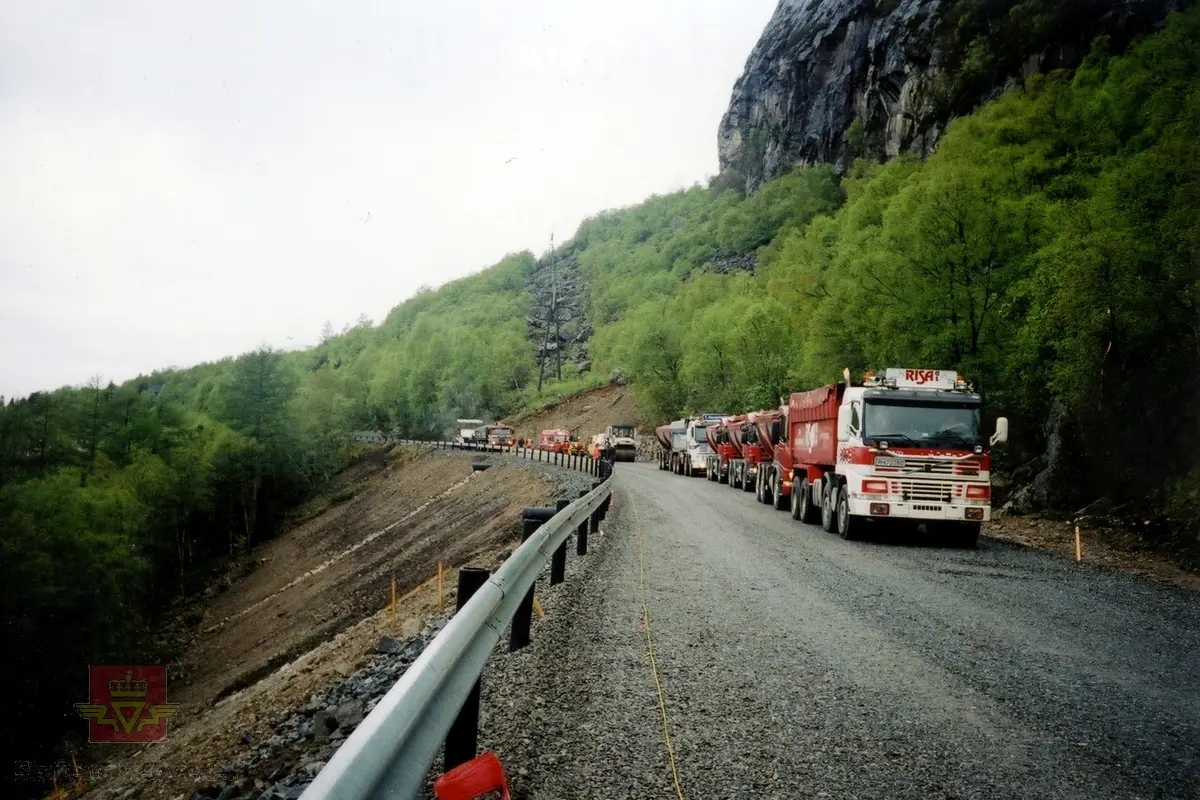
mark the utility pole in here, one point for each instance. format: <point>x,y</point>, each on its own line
<point>554,307</point>
<point>546,337</point>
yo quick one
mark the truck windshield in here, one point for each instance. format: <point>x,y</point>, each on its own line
<point>940,424</point>
<point>623,432</point>
<point>699,434</point>
<point>678,438</point>
<point>502,432</point>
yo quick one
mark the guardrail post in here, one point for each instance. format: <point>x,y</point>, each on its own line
<point>463,738</point>
<point>582,532</point>
<point>594,520</point>
<point>518,637</point>
<point>558,561</point>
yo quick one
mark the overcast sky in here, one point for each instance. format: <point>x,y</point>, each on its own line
<point>182,182</point>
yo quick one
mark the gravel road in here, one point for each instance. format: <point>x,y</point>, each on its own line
<point>795,664</point>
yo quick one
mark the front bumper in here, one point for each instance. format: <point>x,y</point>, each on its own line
<point>860,506</point>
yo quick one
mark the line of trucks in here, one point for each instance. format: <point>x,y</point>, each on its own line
<point>905,447</point>
<point>474,433</point>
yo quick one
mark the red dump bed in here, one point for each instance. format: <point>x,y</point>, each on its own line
<point>663,434</point>
<point>711,434</point>
<point>812,423</point>
<point>762,421</point>
<point>734,427</point>
<point>724,437</point>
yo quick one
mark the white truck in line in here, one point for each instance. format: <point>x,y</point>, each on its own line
<point>469,432</point>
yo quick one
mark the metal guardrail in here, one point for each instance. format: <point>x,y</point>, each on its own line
<point>390,753</point>
<point>581,462</point>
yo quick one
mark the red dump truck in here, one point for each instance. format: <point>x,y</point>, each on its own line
<point>759,455</point>
<point>724,439</point>
<point>555,440</point>
<point>906,446</point>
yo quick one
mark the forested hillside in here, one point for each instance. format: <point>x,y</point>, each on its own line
<point>1049,250</point>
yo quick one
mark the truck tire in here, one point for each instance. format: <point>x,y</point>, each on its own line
<point>849,527</point>
<point>828,512</point>
<point>758,488</point>
<point>967,536</point>
<point>723,478</point>
<point>748,482</point>
<point>780,502</point>
<point>803,509</point>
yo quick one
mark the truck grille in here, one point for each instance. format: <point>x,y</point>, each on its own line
<point>935,491</point>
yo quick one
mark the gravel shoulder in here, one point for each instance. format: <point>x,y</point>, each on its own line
<point>795,664</point>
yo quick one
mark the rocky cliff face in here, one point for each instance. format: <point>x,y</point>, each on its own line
<point>833,79</point>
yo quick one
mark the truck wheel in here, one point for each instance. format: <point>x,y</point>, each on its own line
<point>748,482</point>
<point>849,526</point>
<point>828,517</point>
<point>801,507</point>
<point>799,498</point>
<point>723,478</point>
<point>777,493</point>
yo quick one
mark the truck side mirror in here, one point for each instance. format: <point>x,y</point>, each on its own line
<point>774,431</point>
<point>1001,434</point>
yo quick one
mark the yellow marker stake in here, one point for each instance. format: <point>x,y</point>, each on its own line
<point>538,608</point>
<point>1078,546</point>
<point>441,588</point>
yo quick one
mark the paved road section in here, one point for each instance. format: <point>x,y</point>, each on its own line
<point>795,664</point>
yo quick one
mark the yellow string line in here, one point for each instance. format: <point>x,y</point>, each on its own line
<point>662,703</point>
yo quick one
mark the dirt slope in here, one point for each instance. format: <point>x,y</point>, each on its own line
<point>585,414</point>
<point>313,610</point>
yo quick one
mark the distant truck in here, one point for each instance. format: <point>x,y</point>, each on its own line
<point>469,432</point>
<point>724,439</point>
<point>500,436</point>
<point>905,446</point>
<point>555,440</point>
<point>671,442</point>
<point>683,445</point>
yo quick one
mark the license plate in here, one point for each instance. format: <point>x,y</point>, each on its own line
<point>890,463</point>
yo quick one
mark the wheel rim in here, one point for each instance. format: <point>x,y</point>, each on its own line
<point>843,512</point>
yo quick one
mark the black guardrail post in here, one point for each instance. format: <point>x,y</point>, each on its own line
<point>581,532</point>
<point>532,518</point>
<point>463,738</point>
<point>558,561</point>
<point>594,520</point>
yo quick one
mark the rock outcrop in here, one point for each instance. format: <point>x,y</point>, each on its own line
<point>833,79</point>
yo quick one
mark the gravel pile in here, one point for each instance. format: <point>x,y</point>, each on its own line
<point>279,763</point>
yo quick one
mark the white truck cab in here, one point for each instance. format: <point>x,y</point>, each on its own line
<point>910,446</point>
